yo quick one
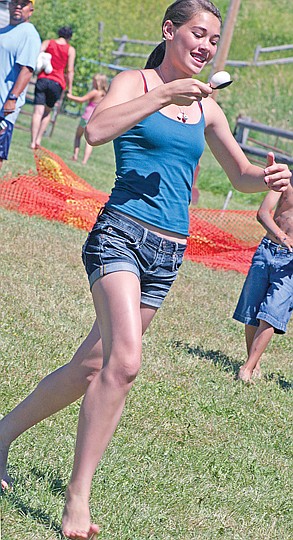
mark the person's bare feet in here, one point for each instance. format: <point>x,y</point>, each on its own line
<point>245,375</point>
<point>6,480</point>
<point>256,374</point>
<point>76,523</point>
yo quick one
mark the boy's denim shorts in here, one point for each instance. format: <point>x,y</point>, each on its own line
<point>267,293</point>
<point>5,137</point>
<point>117,243</point>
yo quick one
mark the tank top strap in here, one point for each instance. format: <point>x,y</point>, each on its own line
<point>145,85</point>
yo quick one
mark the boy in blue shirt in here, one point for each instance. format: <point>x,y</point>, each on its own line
<point>19,49</point>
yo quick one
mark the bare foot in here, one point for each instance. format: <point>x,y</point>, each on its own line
<point>35,146</point>
<point>245,375</point>
<point>256,374</point>
<point>76,520</point>
<point>6,480</point>
<point>74,158</point>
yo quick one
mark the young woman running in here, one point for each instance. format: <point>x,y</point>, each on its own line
<point>159,119</point>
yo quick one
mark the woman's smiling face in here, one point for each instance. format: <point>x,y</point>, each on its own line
<point>193,44</point>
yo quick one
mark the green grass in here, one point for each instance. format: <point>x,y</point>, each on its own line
<point>197,454</point>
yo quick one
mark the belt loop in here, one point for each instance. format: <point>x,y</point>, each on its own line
<point>102,210</point>
<point>144,236</point>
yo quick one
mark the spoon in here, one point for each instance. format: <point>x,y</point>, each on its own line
<point>221,79</point>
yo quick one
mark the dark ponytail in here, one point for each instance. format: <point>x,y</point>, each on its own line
<point>156,57</point>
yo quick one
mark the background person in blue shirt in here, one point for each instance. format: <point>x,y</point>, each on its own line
<point>19,49</point>
<point>4,13</point>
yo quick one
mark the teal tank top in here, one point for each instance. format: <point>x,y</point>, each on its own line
<point>155,164</point>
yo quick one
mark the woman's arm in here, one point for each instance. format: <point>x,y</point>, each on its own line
<point>126,104</point>
<point>242,174</point>
<point>70,68</point>
<point>44,45</point>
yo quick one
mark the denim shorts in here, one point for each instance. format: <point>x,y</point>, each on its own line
<point>267,293</point>
<point>117,243</point>
<point>6,131</point>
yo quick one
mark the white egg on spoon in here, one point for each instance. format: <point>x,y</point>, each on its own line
<point>219,80</point>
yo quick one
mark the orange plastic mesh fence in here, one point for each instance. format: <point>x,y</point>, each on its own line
<point>224,239</point>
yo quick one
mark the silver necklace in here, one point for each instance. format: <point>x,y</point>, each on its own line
<point>181,116</point>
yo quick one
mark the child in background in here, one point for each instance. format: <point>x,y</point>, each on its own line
<point>266,301</point>
<point>94,96</point>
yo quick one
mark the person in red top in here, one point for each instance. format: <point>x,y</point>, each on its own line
<point>49,87</point>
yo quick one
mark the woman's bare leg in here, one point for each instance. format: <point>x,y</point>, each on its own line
<point>262,337</point>
<point>43,125</point>
<point>122,322</point>
<point>36,123</point>
<point>66,384</point>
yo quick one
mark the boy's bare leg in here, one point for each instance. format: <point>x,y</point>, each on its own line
<point>117,301</point>
<point>66,384</point>
<point>262,337</point>
<point>249,337</point>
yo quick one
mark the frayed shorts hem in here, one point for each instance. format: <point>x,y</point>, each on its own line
<point>106,269</point>
<point>124,267</point>
<point>279,328</point>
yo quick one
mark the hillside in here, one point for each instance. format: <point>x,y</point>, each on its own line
<point>262,93</point>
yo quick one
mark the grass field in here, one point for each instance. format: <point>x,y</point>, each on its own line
<point>197,455</point>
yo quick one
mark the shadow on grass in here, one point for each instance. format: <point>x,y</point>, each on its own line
<point>280,380</point>
<point>54,482</point>
<point>224,362</point>
<point>42,518</point>
<point>38,515</point>
<point>216,357</point>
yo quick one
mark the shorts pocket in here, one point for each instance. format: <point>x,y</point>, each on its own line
<point>177,260</point>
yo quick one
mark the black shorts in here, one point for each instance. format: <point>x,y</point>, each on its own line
<point>47,92</point>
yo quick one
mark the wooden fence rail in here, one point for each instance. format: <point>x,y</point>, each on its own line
<point>123,52</point>
<point>259,148</point>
